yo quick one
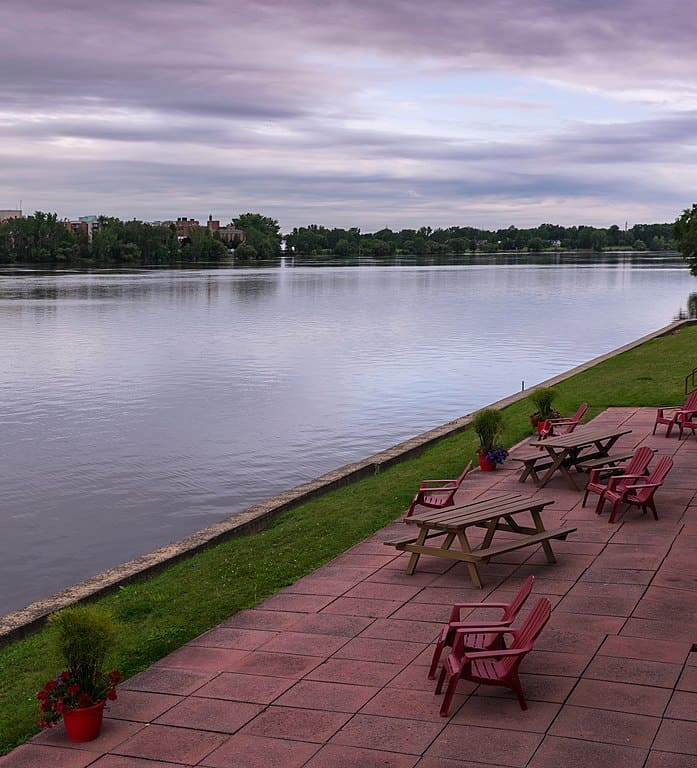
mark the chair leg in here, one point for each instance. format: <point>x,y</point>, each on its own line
<point>615,509</point>
<point>442,641</point>
<point>441,679</point>
<point>453,680</point>
<point>601,503</point>
<point>585,498</point>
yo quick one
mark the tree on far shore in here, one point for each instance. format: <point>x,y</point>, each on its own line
<point>685,233</point>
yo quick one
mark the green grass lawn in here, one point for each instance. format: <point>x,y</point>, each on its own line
<point>164,611</point>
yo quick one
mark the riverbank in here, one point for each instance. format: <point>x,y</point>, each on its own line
<point>170,608</point>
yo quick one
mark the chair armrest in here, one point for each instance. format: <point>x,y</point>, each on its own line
<point>641,486</point>
<point>598,471</point>
<point>455,614</point>
<point>444,485</point>
<point>615,479</point>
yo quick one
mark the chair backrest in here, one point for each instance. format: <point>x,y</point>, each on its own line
<point>639,462</point>
<point>580,412</point>
<point>658,475</point>
<point>512,610</point>
<point>527,633</point>
<point>691,402</point>
<point>459,480</point>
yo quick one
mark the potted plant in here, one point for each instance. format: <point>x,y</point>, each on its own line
<point>488,424</point>
<point>542,399</point>
<point>84,636</point>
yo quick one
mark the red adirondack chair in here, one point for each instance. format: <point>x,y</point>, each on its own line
<point>670,414</point>
<point>496,666</point>
<point>437,494</point>
<point>640,492</point>
<point>479,640</point>
<point>598,479</point>
<point>562,426</point>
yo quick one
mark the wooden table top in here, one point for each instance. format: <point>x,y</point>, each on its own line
<point>478,511</point>
<point>582,436</point>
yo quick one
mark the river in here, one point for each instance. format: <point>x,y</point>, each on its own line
<point>137,407</point>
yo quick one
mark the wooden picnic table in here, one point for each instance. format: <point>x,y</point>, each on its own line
<point>584,446</point>
<point>497,512</point>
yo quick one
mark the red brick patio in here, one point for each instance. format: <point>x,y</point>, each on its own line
<point>331,672</point>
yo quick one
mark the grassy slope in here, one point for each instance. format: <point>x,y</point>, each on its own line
<point>167,610</point>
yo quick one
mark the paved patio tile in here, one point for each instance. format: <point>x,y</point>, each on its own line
<point>257,689</point>
<point>669,760</point>
<point>421,705</point>
<point>121,761</point>
<point>641,648</point>
<point>275,664</point>
<point>402,629</point>
<point>305,643</point>
<point>620,697</point>
<point>682,706</point>
<point>140,706</point>
<point>676,629</point>
<point>543,687</point>
<point>321,586</point>
<point>556,752</point>
<point>113,732</point>
<point>209,715</point>
<point>378,590</point>
<point>332,624</point>
<point>607,726</point>
<point>363,606</point>
<point>352,671</point>
<point>389,733</point>
<point>34,755</point>
<point>494,746</point>
<point>231,637</point>
<point>178,745</point>
<point>492,712</point>
<point>377,649</point>
<point>332,697</point>
<point>245,751</point>
<point>444,762</point>
<point>605,599</point>
<point>542,662</point>
<point>677,736</point>
<point>180,682</point>
<point>311,725</point>
<point>339,756</point>
<point>287,601</point>
<point>196,657</point>
<point>652,673</point>
<point>262,619</point>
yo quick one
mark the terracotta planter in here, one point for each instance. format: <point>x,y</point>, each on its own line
<point>84,723</point>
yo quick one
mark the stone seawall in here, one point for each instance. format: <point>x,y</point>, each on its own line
<point>20,623</point>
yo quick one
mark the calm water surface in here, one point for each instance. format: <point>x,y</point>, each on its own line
<point>136,408</point>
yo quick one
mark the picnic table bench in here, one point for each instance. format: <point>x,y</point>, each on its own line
<point>494,513</point>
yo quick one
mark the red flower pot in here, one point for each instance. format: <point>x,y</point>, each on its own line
<point>84,723</point>
<point>485,465</point>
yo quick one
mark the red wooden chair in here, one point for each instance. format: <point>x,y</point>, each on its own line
<point>479,640</point>
<point>639,493</point>
<point>437,494</point>
<point>670,414</point>
<point>598,479</point>
<point>556,427</point>
<point>496,666</point>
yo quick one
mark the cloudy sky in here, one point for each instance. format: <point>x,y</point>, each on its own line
<point>368,113</point>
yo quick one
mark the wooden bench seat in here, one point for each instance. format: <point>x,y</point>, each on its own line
<point>513,544</point>
<point>400,541</point>
<point>603,461</point>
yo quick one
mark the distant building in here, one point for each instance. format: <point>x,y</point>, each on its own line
<point>231,236</point>
<point>87,224</point>
<point>6,215</point>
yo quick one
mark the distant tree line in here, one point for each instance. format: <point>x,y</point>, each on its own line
<point>341,243</point>
<point>44,239</point>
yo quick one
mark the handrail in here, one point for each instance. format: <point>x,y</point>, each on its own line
<point>691,381</point>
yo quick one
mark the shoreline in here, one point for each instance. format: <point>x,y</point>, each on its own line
<point>18,624</point>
